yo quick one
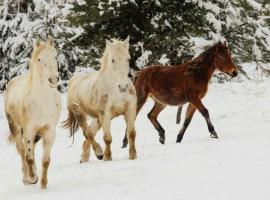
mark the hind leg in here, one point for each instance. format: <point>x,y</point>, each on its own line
<point>94,128</point>
<point>48,140</point>
<point>21,150</point>
<point>16,135</point>
<point>152,116</point>
<point>82,121</point>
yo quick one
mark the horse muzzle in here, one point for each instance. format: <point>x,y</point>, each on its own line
<point>234,73</point>
<point>53,81</point>
<point>123,89</point>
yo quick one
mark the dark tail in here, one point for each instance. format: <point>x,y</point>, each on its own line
<point>178,115</point>
<point>71,124</point>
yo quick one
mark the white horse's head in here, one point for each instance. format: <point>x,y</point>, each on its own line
<point>44,61</point>
<point>116,59</point>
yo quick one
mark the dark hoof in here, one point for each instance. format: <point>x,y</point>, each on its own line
<point>214,136</point>
<point>162,140</point>
<point>100,157</point>
<point>179,139</point>
<point>124,145</point>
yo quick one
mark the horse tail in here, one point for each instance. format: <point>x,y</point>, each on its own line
<point>71,123</point>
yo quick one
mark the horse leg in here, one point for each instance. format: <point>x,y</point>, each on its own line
<point>152,116</point>
<point>29,137</point>
<point>48,140</point>
<point>141,99</point>
<point>82,121</point>
<point>21,150</point>
<point>203,110</point>
<point>106,125</point>
<point>189,114</point>
<point>130,117</point>
<point>16,136</point>
<point>178,115</point>
<point>94,127</point>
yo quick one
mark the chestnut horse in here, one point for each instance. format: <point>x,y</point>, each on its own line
<point>181,84</point>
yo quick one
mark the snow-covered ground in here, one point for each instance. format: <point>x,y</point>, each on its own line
<point>234,167</point>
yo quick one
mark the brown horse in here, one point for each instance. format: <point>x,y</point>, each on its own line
<point>185,83</point>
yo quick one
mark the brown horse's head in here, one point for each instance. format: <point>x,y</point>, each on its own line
<point>223,59</point>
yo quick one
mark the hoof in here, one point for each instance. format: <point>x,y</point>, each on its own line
<point>98,152</point>
<point>27,182</point>
<point>132,157</point>
<point>84,160</point>
<point>124,145</point>
<point>100,157</point>
<point>162,140</point>
<point>107,159</point>
<point>43,186</point>
<point>179,138</point>
<point>214,136</point>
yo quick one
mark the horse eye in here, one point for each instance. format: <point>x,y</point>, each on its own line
<point>39,60</point>
<point>112,60</point>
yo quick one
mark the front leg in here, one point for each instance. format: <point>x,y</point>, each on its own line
<point>28,137</point>
<point>130,116</point>
<point>105,120</point>
<point>48,140</point>
<point>203,110</point>
<point>189,114</point>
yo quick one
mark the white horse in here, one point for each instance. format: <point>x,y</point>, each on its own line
<point>32,106</point>
<point>103,95</point>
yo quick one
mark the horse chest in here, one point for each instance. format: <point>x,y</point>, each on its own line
<point>42,105</point>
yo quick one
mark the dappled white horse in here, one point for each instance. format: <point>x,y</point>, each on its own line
<point>32,106</point>
<point>103,95</point>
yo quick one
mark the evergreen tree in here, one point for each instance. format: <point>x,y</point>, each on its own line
<point>20,23</point>
<point>169,31</point>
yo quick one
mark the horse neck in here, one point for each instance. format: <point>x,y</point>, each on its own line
<point>208,69</point>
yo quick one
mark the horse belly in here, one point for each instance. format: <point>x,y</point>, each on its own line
<point>169,98</point>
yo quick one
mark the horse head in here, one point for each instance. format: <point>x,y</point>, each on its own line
<point>223,59</point>
<point>116,59</point>
<point>45,62</point>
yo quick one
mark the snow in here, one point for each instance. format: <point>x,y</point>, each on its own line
<point>163,60</point>
<point>143,59</point>
<point>236,166</point>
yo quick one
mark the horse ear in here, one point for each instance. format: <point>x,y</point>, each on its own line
<point>126,42</point>
<point>225,43</point>
<point>108,43</point>
<point>50,40</point>
<point>37,42</point>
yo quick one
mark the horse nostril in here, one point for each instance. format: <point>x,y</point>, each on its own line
<point>235,73</point>
<point>123,89</point>
<point>57,78</point>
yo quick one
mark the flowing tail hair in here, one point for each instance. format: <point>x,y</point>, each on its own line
<point>72,124</point>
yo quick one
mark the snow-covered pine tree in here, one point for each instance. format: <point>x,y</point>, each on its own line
<point>168,32</point>
<point>160,31</point>
<point>20,23</point>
